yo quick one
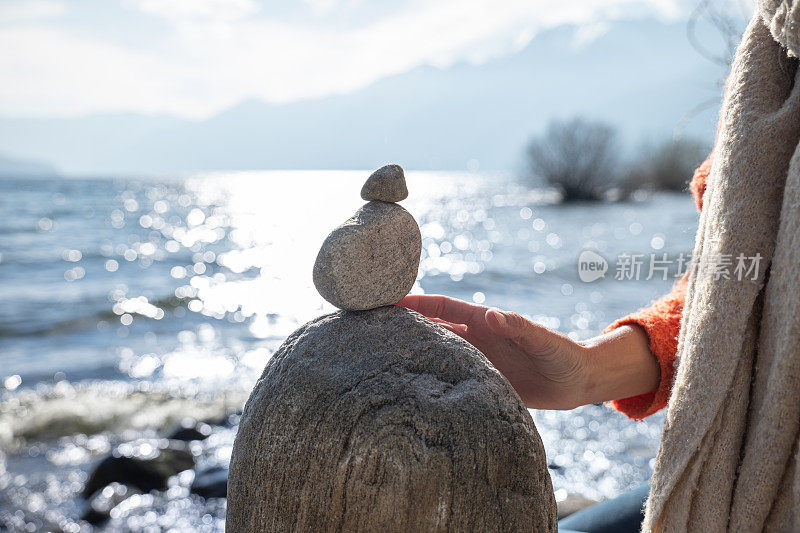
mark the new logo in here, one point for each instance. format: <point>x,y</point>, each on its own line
<point>591,266</point>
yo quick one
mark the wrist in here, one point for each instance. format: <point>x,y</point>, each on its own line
<point>619,364</point>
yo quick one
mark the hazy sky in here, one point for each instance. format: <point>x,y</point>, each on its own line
<point>194,58</point>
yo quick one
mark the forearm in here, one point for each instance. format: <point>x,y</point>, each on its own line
<point>619,364</point>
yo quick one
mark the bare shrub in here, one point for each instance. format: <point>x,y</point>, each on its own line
<point>669,167</point>
<point>578,157</point>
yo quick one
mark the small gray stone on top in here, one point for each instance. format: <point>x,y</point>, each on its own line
<point>387,184</point>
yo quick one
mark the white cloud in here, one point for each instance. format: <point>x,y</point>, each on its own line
<point>179,10</point>
<point>51,72</point>
<point>216,53</point>
<point>589,33</point>
<point>27,10</point>
<point>321,6</point>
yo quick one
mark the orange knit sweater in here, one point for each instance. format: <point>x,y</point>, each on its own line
<point>662,321</point>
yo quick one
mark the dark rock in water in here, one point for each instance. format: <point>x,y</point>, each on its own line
<point>190,429</point>
<point>98,505</point>
<point>211,482</point>
<point>144,464</point>
<point>387,184</point>
<point>382,420</point>
<point>371,260</point>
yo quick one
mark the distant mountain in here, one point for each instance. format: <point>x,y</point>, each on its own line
<point>10,167</point>
<point>80,145</point>
<point>642,76</point>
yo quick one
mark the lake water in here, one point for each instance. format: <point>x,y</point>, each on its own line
<point>129,304</point>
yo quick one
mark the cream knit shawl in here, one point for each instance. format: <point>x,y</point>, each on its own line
<point>728,459</point>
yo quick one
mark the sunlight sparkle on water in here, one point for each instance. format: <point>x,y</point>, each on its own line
<point>188,286</point>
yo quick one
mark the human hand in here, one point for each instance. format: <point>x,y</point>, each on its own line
<point>546,368</point>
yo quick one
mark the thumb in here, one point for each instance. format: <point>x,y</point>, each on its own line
<point>521,331</point>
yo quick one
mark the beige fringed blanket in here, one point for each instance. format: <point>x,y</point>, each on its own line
<point>729,453</point>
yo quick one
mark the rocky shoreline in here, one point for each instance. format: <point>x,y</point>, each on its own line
<point>194,499</point>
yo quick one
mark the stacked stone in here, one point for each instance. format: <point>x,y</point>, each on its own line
<point>380,420</point>
<point>371,259</point>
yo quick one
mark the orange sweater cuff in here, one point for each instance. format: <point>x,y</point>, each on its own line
<point>662,322</point>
